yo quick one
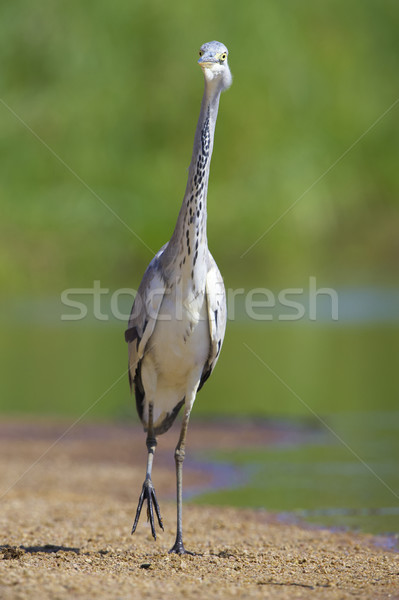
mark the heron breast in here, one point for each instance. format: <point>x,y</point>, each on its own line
<point>181,339</point>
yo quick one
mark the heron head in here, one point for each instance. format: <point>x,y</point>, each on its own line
<point>213,62</point>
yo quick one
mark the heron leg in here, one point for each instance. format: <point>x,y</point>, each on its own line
<point>148,491</point>
<point>178,547</point>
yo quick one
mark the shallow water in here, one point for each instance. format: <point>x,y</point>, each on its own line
<point>320,478</point>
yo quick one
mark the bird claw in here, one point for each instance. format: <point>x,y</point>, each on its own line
<point>178,548</point>
<point>148,494</point>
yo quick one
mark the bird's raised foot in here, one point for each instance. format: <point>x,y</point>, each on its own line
<point>148,493</point>
<point>178,548</point>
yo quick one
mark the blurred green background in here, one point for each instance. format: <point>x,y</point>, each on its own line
<point>113,91</point>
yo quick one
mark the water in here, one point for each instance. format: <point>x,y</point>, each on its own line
<point>336,383</point>
<point>345,476</point>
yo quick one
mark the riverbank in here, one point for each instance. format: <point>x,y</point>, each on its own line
<point>67,508</point>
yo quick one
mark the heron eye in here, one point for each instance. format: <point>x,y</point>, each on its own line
<point>201,52</point>
<point>223,56</point>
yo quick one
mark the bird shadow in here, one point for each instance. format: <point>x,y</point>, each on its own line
<point>49,549</point>
<point>15,551</point>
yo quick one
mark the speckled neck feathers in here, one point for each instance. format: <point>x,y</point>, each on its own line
<point>187,250</point>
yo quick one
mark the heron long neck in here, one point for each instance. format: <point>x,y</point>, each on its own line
<point>187,250</point>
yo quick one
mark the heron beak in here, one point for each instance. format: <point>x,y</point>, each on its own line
<point>207,61</point>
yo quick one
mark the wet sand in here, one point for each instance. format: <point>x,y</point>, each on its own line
<point>65,526</point>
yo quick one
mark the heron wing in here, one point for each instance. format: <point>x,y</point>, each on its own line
<point>217,314</point>
<point>142,322</point>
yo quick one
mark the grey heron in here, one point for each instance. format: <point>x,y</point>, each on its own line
<point>178,320</point>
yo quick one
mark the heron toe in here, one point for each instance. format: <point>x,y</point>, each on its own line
<point>148,494</point>
<point>178,547</point>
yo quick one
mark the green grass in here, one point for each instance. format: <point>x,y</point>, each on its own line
<point>114,90</point>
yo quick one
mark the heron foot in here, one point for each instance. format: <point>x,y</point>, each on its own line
<point>148,494</point>
<point>178,548</point>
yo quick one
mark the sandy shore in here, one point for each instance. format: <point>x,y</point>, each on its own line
<point>65,528</point>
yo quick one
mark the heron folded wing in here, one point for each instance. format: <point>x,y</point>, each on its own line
<point>217,312</point>
<point>131,334</point>
<point>144,315</point>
